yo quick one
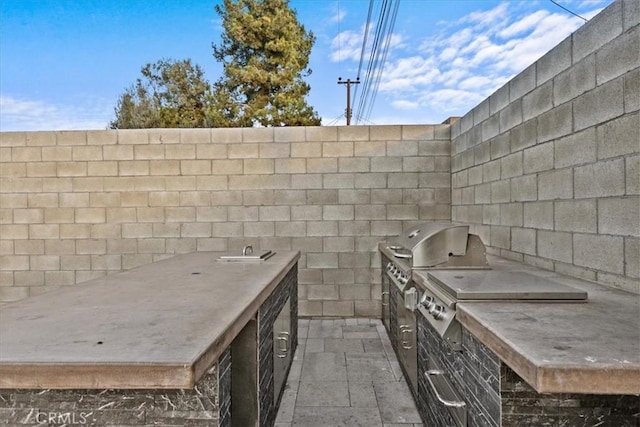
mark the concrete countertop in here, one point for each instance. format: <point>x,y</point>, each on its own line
<point>162,325</point>
<point>560,347</point>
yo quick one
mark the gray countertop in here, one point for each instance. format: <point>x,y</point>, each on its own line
<point>161,325</point>
<point>563,347</point>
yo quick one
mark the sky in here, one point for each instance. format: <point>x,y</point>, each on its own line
<point>64,63</point>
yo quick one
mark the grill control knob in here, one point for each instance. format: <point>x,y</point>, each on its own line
<point>403,279</point>
<point>437,311</point>
<point>389,266</point>
<point>426,299</point>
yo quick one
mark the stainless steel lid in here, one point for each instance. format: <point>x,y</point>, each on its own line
<point>502,285</point>
<point>431,243</point>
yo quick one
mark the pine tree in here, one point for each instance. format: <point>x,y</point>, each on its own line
<point>265,52</point>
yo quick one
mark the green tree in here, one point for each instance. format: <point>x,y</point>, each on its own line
<point>169,94</point>
<point>265,53</point>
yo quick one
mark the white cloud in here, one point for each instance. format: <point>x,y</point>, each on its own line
<point>25,115</point>
<point>405,105</point>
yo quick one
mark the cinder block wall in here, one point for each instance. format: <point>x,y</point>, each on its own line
<point>78,205</point>
<point>548,167</point>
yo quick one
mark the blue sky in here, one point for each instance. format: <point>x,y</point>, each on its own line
<point>64,63</point>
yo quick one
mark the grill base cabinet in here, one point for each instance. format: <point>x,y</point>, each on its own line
<point>494,395</point>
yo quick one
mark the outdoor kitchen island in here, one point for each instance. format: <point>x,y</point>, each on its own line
<point>533,363</point>
<point>161,344</point>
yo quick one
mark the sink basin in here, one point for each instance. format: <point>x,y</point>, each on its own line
<point>247,256</point>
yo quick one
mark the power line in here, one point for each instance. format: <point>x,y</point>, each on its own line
<point>571,12</point>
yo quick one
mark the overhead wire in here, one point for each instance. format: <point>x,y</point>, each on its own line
<point>570,11</point>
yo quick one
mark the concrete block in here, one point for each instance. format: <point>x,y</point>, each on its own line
<point>474,175</point>
<point>180,214</point>
<point>500,191</point>
<point>538,158</point>
<point>438,147</point>
<point>244,151</point>
<point>370,212</point>
<point>632,175</point>
<point>499,99</point>
<point>480,112</point>
<point>619,56</point>
<point>339,244</point>
<point>372,180</point>
<point>307,245</point>
<point>211,151</point>
<point>275,213</point>
<point>309,308</point>
<point>432,212</point>
<point>420,195</point>
<point>338,308</point>
<point>554,61</point>
<point>322,133</point>
<point>524,188</point>
<point>329,165</point>
<point>117,152</point>
<point>511,214</point>
<point>291,229</point>
<point>523,136</point>
<point>164,136</point>
<point>576,149</point>
<point>482,153</point>
<point>226,198</point>
<point>353,197</point>
<point>79,137</point>
<point>599,252</point>
<point>575,81</point>
<point>632,257</point>
<point>354,228</point>
<point>434,180</point>
<point>306,149</point>
<point>386,228</point>
<point>273,150</point>
<point>539,215</point>
<point>491,171</point>
<point>402,148</point>
<point>602,179</point>
<point>556,184</point>
<point>290,166</point>
<point>355,164</point>
<point>101,137</point>
<point>322,197</point>
<point>500,146</point>
<point>338,276</point>
<point>337,149</point>
<point>353,133</point>
<point>306,181</point>
<point>251,135</point>
<point>75,231</point>
<point>140,152</point>
<point>54,154</point>
<point>555,245</point>
<point>258,229</point>
<point>289,134</point>
<point>599,105</point>
<point>631,90</point>
<point>483,194</point>
<point>490,127</point>
<point>343,213</point>
<point>576,216</point>
<point>511,116</point>
<point>523,83</point>
<point>418,164</point>
<point>491,214</point>
<point>500,237</point>
<point>33,279</point>
<point>179,152</point>
<point>306,213</point>
<point>120,215</point>
<point>537,102</point>
<point>467,196</point>
<point>511,165</point>
<point>13,293</point>
<point>630,14</point>
<point>555,123</point>
<point>523,240</point>
<point>402,212</point>
<point>59,215</point>
<point>619,216</point>
<point>603,28</point>
<point>16,139</point>
<point>85,153</point>
<point>258,166</point>
<point>290,197</point>
<point>195,136</point>
<point>385,196</point>
<point>339,180</point>
<point>619,137</point>
<point>370,309</point>
<point>415,132</point>
<point>322,228</point>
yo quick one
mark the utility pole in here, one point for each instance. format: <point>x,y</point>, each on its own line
<point>349,82</point>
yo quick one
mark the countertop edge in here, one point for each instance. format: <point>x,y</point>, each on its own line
<point>596,379</point>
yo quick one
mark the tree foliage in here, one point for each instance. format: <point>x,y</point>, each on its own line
<point>169,94</point>
<point>265,53</point>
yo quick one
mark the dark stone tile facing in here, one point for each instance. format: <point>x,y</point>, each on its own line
<point>190,407</point>
<point>224,387</point>
<point>267,314</point>
<point>523,406</point>
<point>497,396</point>
<point>394,297</point>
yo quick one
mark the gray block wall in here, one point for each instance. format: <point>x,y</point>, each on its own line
<point>547,169</point>
<point>78,205</point>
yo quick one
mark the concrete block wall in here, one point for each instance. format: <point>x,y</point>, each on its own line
<point>547,169</point>
<point>82,204</point>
